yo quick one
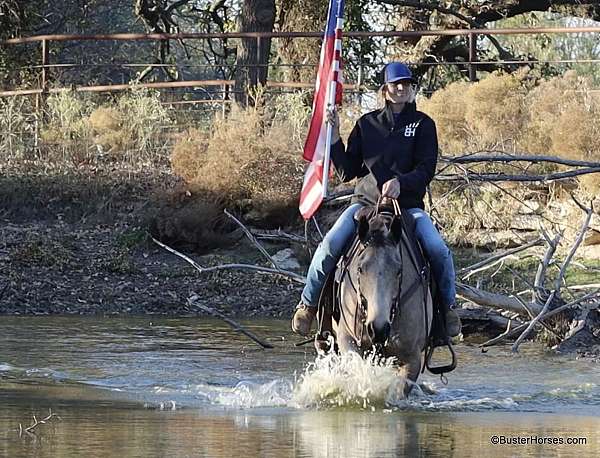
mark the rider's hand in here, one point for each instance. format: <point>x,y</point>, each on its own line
<point>391,189</point>
<point>334,119</point>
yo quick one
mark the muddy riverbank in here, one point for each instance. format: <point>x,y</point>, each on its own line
<point>64,268</point>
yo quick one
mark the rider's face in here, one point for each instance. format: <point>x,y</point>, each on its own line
<point>400,91</point>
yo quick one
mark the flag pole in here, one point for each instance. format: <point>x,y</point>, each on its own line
<point>326,159</point>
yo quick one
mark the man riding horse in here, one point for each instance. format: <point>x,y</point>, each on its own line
<point>393,151</point>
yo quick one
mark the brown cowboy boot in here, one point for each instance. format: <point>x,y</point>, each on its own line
<point>303,318</point>
<point>453,325</point>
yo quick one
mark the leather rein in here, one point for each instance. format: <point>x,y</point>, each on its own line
<point>357,330</point>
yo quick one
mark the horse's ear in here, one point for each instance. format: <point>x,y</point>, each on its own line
<point>363,228</point>
<point>396,229</point>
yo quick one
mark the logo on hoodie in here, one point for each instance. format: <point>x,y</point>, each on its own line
<point>411,129</point>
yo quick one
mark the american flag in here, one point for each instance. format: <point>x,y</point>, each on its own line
<point>328,93</point>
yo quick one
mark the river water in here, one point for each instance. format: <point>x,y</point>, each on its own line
<point>145,387</point>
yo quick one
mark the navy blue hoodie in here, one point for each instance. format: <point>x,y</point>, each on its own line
<point>383,146</point>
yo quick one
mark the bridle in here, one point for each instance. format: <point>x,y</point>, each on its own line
<point>362,305</point>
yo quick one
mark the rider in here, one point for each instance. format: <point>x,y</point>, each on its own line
<point>393,151</point>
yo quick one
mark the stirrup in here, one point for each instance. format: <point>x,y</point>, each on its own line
<point>440,370</point>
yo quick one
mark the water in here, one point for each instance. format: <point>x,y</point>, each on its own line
<point>193,387</point>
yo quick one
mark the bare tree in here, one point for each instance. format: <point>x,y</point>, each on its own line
<point>472,14</point>
<point>253,54</point>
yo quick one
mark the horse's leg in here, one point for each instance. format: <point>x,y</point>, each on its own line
<point>345,342</point>
<point>413,369</point>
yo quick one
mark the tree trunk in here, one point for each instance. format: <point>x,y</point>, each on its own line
<point>253,54</point>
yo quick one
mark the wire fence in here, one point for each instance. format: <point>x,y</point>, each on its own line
<point>193,102</point>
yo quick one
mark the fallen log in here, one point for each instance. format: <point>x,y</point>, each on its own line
<point>494,300</point>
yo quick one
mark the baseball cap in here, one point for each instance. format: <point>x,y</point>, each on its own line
<point>397,71</point>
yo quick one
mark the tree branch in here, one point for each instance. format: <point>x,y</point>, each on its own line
<point>493,259</point>
<point>494,157</point>
<point>203,270</point>
<point>254,241</point>
<point>473,176</point>
<point>192,301</point>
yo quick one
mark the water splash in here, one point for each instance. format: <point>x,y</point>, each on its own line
<point>6,367</point>
<point>350,381</point>
<point>248,394</point>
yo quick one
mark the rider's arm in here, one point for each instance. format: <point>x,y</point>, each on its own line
<point>426,159</point>
<point>349,161</point>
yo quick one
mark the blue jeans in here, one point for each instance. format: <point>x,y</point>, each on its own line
<point>332,247</point>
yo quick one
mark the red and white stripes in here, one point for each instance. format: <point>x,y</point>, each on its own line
<point>328,93</point>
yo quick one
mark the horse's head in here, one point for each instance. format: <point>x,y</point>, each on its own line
<point>378,270</point>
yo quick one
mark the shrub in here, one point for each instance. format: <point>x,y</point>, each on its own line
<point>106,124</point>
<point>478,116</point>
<point>144,117</point>
<point>14,127</point>
<point>545,104</point>
<point>251,159</point>
<point>446,107</point>
<point>188,153</point>
<point>494,111</point>
<point>66,130</point>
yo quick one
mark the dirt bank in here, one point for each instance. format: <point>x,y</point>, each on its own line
<point>61,268</point>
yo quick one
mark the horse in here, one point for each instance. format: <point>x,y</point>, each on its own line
<point>383,298</point>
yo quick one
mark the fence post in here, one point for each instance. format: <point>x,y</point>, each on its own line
<point>225,98</point>
<point>359,81</point>
<point>43,77</point>
<point>45,55</point>
<point>258,68</point>
<point>472,56</point>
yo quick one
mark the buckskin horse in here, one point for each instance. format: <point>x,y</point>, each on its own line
<point>381,298</point>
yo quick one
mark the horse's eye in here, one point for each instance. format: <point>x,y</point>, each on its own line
<point>359,270</point>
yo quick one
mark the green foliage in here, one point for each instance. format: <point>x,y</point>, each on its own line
<point>15,128</point>
<point>44,251</point>
<point>554,47</point>
<point>132,238</point>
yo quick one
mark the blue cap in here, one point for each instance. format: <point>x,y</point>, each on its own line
<point>397,71</point>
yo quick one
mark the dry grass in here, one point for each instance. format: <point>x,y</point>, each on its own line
<point>478,116</point>
<point>558,117</point>
<point>14,128</point>
<point>65,134</point>
<point>80,131</point>
<point>251,159</point>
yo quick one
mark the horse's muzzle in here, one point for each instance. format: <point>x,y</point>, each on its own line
<point>378,335</point>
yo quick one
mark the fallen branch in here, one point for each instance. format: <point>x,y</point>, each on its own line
<point>515,347</point>
<point>511,158</point>
<point>253,240</point>
<point>473,176</point>
<point>474,268</point>
<point>277,235</point>
<point>567,261</point>
<point>203,270</point>
<point>494,300</point>
<point>517,330</point>
<point>234,324</point>
<point>540,276</point>
<point>587,286</point>
<point>505,335</point>
<point>30,429</point>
